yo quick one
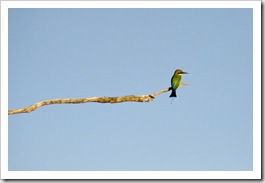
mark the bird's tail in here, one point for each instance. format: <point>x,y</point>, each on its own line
<point>173,94</point>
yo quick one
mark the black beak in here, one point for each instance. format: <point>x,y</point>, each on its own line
<point>184,73</point>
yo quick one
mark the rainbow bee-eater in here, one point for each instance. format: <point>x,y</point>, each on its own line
<point>175,81</point>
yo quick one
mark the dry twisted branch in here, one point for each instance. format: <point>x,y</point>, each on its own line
<point>128,98</point>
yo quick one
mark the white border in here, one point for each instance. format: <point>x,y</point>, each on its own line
<point>255,174</point>
<point>4,89</point>
<point>131,4</point>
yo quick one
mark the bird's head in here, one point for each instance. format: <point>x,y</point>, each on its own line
<point>180,72</point>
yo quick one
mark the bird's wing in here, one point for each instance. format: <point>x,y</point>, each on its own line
<point>175,82</point>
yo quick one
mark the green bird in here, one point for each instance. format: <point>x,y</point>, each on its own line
<point>175,81</point>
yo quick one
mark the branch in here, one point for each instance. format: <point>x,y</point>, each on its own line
<point>128,98</point>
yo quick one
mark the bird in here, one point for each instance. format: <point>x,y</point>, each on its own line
<point>175,81</point>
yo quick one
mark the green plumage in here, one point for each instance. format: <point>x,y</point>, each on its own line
<point>175,81</point>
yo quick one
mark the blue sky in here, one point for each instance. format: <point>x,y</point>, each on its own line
<point>78,53</point>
